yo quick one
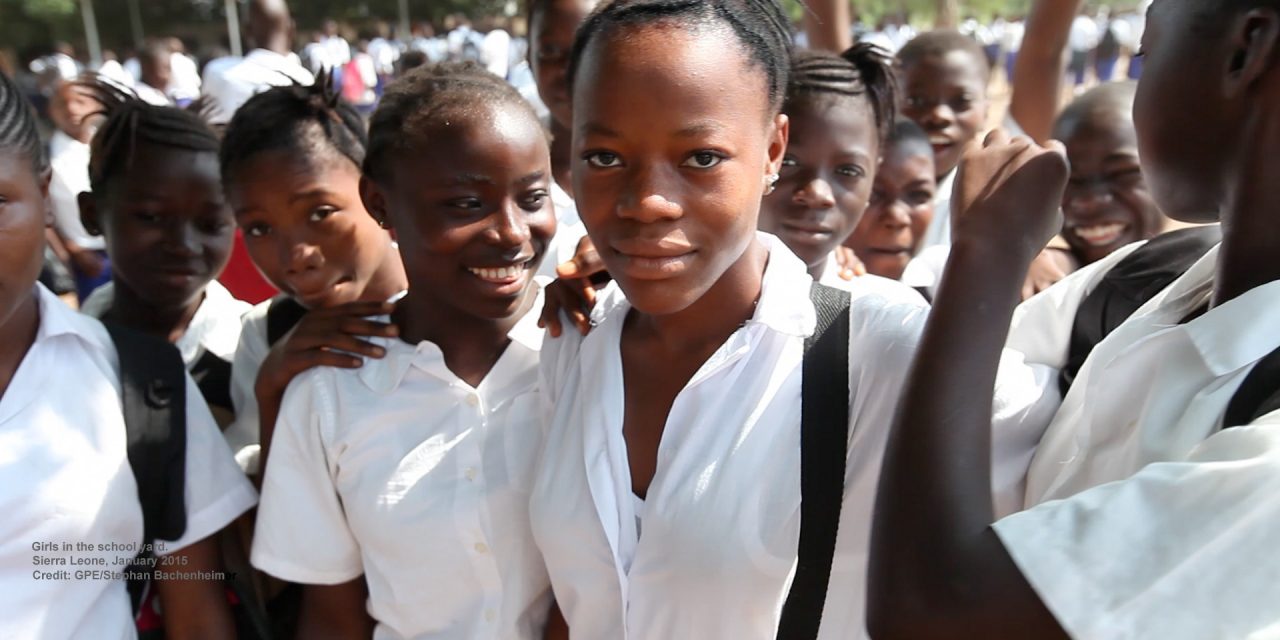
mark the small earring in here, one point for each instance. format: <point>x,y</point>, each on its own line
<point>770,183</point>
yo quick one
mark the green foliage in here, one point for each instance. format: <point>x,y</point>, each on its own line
<point>49,9</point>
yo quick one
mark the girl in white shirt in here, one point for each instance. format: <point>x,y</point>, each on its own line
<point>67,489</point>
<point>291,162</point>
<point>157,200</point>
<point>1150,504</point>
<point>667,498</point>
<point>398,492</point>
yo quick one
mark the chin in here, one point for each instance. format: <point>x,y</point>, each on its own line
<point>659,297</point>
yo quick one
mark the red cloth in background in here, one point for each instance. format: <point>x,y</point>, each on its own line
<point>242,278</point>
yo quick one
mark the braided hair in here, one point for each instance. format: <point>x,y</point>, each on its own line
<point>760,25</point>
<point>18,132</point>
<point>865,70</point>
<point>427,97</point>
<point>296,119</point>
<point>131,122</point>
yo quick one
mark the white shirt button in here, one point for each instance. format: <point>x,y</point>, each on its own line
<point>471,473</point>
<point>490,615</point>
<point>482,547</point>
<point>473,399</point>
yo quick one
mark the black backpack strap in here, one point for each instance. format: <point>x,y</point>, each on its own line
<point>154,400</point>
<point>1258,395</point>
<point>283,314</point>
<point>212,376</point>
<point>1130,284</point>
<point>824,443</point>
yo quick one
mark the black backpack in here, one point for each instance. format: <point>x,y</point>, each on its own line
<point>1137,279</point>
<point>824,444</point>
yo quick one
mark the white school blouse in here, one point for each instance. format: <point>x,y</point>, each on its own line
<point>215,328</point>
<point>404,473</point>
<point>569,231</point>
<point>721,518</point>
<point>65,481</point>
<point>1145,519</point>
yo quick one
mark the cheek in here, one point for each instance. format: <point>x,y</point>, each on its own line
<point>920,219</point>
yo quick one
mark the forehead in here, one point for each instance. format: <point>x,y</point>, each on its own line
<point>955,69</point>
<point>1097,134</point>
<point>831,117</point>
<point>668,71</point>
<point>907,163</point>
<point>489,137</point>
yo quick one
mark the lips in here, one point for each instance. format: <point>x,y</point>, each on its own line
<point>653,259</point>
<point>1100,235</point>
<point>503,274</point>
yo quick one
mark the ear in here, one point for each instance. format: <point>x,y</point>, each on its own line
<point>1254,36</point>
<point>778,137</point>
<point>45,178</point>
<point>375,201</point>
<point>89,214</point>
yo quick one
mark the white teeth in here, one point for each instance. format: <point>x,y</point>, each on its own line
<point>939,140</point>
<point>504,273</point>
<point>1100,235</point>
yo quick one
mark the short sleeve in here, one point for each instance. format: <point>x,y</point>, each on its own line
<point>216,491</point>
<point>1182,549</point>
<point>302,533</point>
<point>244,433</point>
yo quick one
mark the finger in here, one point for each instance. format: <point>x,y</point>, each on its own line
<point>360,327</point>
<point>550,320</point>
<point>582,321</point>
<point>338,342</point>
<point>317,358</point>
<point>358,309</point>
<point>1057,147</point>
<point>997,137</point>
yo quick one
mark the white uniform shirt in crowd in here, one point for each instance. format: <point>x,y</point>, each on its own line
<point>69,159</point>
<point>245,433</point>
<point>232,85</point>
<point>1146,518</point>
<point>1084,34</point>
<point>831,277</point>
<point>215,328</point>
<point>722,515</point>
<point>185,83</point>
<point>404,473</point>
<point>385,53</point>
<point>939,229</point>
<point>65,480</point>
<point>337,50</point>
<point>151,95</point>
<point>495,52</point>
<point>569,231</point>
<point>114,71</point>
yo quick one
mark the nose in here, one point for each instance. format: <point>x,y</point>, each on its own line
<point>896,215</point>
<point>644,199</point>
<point>510,226</point>
<point>938,116</point>
<point>1086,201</point>
<point>182,239</point>
<point>815,194</point>
<point>301,257</point>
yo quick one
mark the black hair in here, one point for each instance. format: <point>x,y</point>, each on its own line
<point>760,25</point>
<point>426,97</point>
<point>863,70</point>
<point>906,134</point>
<point>296,119</point>
<point>129,122</point>
<point>941,42</point>
<point>1110,100</point>
<point>18,132</point>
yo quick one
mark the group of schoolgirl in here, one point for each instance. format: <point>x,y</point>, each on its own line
<point>719,450</point>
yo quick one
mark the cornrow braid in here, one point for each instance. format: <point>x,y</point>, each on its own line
<point>426,97</point>
<point>863,71</point>
<point>294,118</point>
<point>18,132</point>
<point>760,25</point>
<point>130,122</point>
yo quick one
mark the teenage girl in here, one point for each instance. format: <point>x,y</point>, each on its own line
<point>668,491</point>
<point>840,109</point>
<point>398,493</point>
<point>157,201</point>
<point>901,205</point>
<point>67,490</point>
<point>291,162</point>
<point>1151,508</point>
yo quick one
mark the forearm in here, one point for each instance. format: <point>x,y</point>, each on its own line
<point>828,23</point>
<point>335,612</point>
<point>937,570</point>
<point>1037,74</point>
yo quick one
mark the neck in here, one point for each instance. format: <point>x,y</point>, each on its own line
<point>471,345</point>
<point>817,269</point>
<point>20,331</point>
<point>388,280</point>
<point>562,156</point>
<point>711,319</point>
<point>1251,214</point>
<point>128,309</point>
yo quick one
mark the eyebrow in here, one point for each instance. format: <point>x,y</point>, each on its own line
<point>309,193</point>
<point>692,131</point>
<point>531,178</point>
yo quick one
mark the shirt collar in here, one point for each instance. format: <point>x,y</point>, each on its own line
<point>1235,334</point>
<point>386,375</point>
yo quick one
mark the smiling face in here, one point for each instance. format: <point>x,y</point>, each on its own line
<point>306,228</point>
<point>826,175</point>
<point>23,216</point>
<point>167,228</point>
<point>947,96</point>
<point>1106,204</point>
<point>472,210</point>
<point>900,211</point>
<point>670,158</point>
<point>551,27</point>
